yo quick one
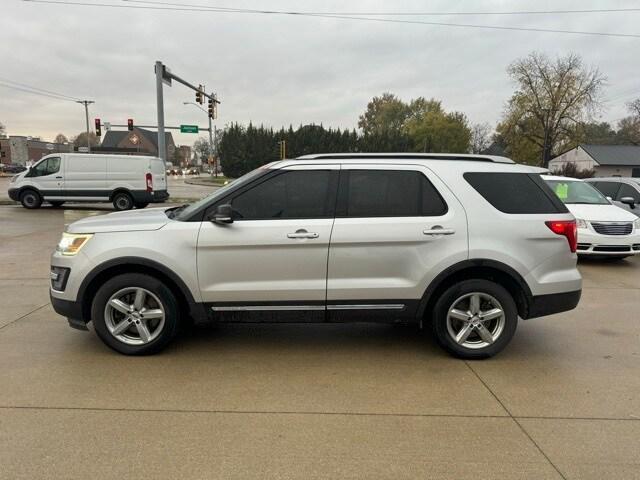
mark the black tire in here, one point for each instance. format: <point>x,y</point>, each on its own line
<point>122,201</point>
<point>141,204</point>
<point>458,291</point>
<point>56,204</point>
<point>30,199</point>
<point>130,281</point>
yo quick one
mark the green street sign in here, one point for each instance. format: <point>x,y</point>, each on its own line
<point>188,129</point>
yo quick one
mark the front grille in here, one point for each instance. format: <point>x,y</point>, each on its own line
<point>612,248</point>
<point>612,228</point>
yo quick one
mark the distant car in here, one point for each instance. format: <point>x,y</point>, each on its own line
<point>604,229</point>
<point>623,191</point>
<point>13,168</point>
<point>194,171</point>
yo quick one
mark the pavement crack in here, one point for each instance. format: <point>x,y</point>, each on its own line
<point>23,316</point>
<point>515,420</point>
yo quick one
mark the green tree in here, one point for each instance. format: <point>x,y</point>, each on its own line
<point>80,140</point>
<point>386,113</point>
<point>552,98</point>
<point>438,131</point>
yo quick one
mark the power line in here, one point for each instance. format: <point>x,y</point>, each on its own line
<point>471,13</point>
<point>6,85</point>
<point>341,17</point>
<point>23,86</point>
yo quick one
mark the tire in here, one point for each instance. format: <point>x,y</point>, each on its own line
<point>140,204</point>
<point>498,330</point>
<point>128,338</point>
<point>122,201</point>
<point>56,204</point>
<point>30,199</point>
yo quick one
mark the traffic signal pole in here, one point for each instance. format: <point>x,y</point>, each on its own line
<point>86,104</point>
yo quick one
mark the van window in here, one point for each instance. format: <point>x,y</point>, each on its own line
<point>515,192</point>
<point>388,193</point>
<point>628,191</point>
<point>292,194</point>
<point>608,189</point>
<point>46,167</point>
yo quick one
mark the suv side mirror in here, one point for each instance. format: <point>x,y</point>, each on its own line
<point>222,215</point>
<point>629,201</point>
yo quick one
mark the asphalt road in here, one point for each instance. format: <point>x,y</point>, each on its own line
<point>314,401</point>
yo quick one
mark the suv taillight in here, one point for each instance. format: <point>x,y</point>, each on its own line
<point>567,228</point>
<point>149,179</point>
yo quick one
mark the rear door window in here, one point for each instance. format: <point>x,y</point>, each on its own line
<point>628,191</point>
<point>516,193</point>
<point>388,193</point>
<point>608,189</point>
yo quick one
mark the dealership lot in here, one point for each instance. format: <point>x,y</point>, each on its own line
<point>307,401</point>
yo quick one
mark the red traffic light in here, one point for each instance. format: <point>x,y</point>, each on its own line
<point>98,131</point>
<point>130,124</point>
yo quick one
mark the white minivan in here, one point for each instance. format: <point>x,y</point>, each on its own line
<point>125,180</point>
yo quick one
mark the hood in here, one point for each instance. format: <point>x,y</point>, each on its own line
<point>601,213</point>
<point>129,221</point>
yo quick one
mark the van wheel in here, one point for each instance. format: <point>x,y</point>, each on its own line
<point>475,319</point>
<point>141,204</point>
<point>122,201</point>
<point>135,314</point>
<point>56,204</point>
<point>30,199</point>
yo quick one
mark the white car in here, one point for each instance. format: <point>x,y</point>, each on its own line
<point>603,229</point>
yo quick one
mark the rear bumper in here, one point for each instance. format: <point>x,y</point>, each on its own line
<point>71,310</point>
<point>157,196</point>
<point>542,305</point>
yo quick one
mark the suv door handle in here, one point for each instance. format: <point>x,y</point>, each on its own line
<point>438,230</point>
<point>302,233</point>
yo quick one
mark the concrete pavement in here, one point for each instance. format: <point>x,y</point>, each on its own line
<point>314,401</point>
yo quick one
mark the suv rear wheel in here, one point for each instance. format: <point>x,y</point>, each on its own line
<point>135,314</point>
<point>475,319</point>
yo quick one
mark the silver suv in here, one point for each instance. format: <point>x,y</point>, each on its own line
<point>465,244</point>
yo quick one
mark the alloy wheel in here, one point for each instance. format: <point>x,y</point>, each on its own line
<point>475,320</point>
<point>134,316</point>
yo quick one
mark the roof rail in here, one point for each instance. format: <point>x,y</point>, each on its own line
<point>406,156</point>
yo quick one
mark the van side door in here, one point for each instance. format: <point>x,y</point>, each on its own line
<point>396,228</point>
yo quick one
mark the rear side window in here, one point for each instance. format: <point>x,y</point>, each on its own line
<point>628,191</point>
<point>518,193</point>
<point>608,189</point>
<point>388,193</point>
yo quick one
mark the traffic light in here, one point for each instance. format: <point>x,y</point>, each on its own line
<point>98,132</point>
<point>130,124</point>
<point>199,95</point>
<point>211,108</point>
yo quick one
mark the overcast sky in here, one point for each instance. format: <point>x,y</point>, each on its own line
<point>279,70</point>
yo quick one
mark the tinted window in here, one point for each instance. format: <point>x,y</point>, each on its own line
<point>608,189</point>
<point>628,191</point>
<point>294,194</point>
<point>515,192</point>
<point>385,193</point>
<point>46,167</point>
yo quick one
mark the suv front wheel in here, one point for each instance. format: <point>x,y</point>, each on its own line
<point>475,319</point>
<point>135,314</point>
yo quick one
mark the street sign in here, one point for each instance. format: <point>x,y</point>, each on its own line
<point>188,129</point>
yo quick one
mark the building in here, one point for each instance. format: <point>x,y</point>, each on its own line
<point>606,160</point>
<point>139,140</point>
<point>25,150</point>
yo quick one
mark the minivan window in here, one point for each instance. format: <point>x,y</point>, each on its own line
<point>608,189</point>
<point>628,191</point>
<point>575,192</point>
<point>389,193</point>
<point>46,167</point>
<point>290,194</point>
<point>516,193</point>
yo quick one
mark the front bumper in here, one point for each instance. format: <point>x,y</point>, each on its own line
<point>591,243</point>
<point>14,194</point>
<point>71,310</point>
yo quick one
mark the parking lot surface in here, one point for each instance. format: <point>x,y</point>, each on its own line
<point>314,401</point>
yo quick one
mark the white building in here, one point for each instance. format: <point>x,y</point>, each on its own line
<point>606,160</point>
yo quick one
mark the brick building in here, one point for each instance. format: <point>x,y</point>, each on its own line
<point>23,150</point>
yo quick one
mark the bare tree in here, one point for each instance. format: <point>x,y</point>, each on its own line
<point>480,137</point>
<point>551,98</point>
<point>60,138</point>
<point>3,129</point>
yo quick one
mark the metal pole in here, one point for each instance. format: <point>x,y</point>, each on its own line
<point>86,104</point>
<point>162,149</point>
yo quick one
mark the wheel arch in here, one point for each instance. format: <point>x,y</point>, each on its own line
<point>118,190</point>
<point>106,270</point>
<point>493,270</point>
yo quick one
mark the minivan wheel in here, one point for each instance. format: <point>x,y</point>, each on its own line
<point>135,314</point>
<point>475,319</point>
<point>122,201</point>
<point>30,199</point>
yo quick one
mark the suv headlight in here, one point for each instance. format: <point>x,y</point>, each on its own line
<point>580,223</point>
<point>71,243</point>
<point>636,224</point>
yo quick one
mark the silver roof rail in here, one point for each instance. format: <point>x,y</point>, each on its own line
<point>406,156</point>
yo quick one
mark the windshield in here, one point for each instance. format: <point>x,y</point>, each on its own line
<point>573,192</point>
<point>184,212</point>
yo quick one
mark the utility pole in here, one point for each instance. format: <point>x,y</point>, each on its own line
<point>86,104</point>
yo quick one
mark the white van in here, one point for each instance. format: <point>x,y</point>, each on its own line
<point>126,180</point>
